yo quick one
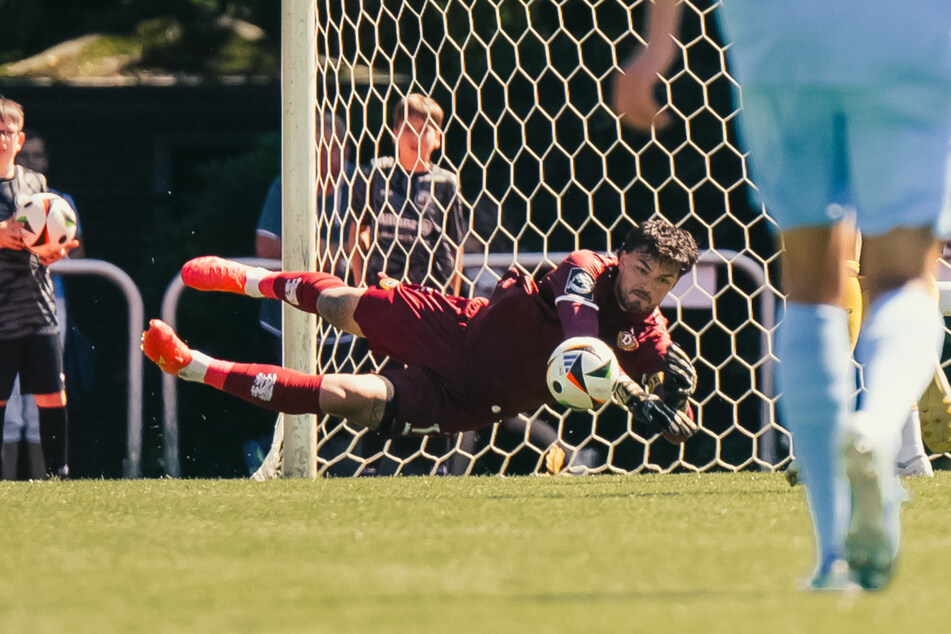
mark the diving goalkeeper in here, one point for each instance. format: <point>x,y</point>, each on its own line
<point>465,363</point>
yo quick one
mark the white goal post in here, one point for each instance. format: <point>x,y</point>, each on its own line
<point>298,225</point>
<point>545,167</point>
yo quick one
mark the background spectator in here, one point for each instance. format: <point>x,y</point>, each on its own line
<point>30,342</point>
<point>408,222</point>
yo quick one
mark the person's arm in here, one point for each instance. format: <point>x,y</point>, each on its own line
<point>665,371</point>
<point>634,83</point>
<point>267,237</point>
<point>49,253</point>
<point>356,216</point>
<point>10,236</point>
<point>267,245</point>
<point>679,380</point>
<point>79,251</point>
<point>572,286</point>
<point>358,245</point>
<point>455,282</point>
<point>458,231</point>
<point>651,412</point>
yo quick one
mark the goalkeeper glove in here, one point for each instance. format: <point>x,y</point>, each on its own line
<point>680,378</point>
<point>651,412</point>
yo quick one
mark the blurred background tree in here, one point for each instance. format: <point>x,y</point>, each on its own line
<point>174,35</point>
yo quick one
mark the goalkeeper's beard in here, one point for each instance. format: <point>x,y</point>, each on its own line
<point>635,302</point>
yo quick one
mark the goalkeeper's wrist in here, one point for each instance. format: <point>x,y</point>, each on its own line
<point>681,404</point>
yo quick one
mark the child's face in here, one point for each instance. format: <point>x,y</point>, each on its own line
<point>11,140</point>
<point>416,140</point>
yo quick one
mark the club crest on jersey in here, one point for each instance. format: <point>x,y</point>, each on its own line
<point>290,290</point>
<point>422,198</point>
<point>580,282</point>
<point>626,340</point>
<point>263,386</point>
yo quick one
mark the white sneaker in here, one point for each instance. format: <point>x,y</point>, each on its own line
<point>836,578</point>
<point>867,547</point>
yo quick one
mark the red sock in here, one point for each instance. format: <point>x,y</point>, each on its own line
<point>299,289</point>
<point>269,386</point>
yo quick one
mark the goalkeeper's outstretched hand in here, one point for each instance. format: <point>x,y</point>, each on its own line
<point>651,412</point>
<point>680,378</point>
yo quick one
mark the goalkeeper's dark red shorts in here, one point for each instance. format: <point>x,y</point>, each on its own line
<point>423,329</point>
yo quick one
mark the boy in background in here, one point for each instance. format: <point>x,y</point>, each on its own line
<point>29,332</point>
<point>407,221</point>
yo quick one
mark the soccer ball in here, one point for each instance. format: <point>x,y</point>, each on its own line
<point>582,372</point>
<point>45,219</point>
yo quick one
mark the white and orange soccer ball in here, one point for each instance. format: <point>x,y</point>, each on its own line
<point>582,372</point>
<point>46,219</point>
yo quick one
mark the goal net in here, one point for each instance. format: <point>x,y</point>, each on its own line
<point>545,167</point>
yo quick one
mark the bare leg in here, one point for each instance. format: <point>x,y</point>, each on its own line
<point>320,293</point>
<point>897,350</point>
<point>900,257</point>
<point>814,263</point>
<point>361,398</point>
<point>337,306</point>
<point>898,279</point>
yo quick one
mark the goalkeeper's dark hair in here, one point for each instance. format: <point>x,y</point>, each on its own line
<point>662,240</point>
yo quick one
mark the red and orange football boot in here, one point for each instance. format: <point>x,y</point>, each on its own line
<point>211,273</point>
<point>162,346</point>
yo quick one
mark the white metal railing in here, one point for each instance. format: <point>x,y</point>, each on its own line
<point>132,465</point>
<point>697,290</point>
<point>169,312</point>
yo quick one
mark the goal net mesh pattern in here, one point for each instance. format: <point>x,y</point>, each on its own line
<point>545,167</point>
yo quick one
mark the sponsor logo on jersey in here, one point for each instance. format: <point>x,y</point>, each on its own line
<point>626,340</point>
<point>263,386</point>
<point>387,283</point>
<point>290,290</point>
<point>406,226</point>
<point>580,282</point>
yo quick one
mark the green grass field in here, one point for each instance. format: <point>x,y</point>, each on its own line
<point>653,553</point>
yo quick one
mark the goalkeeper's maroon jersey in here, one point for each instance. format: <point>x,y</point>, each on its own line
<point>509,341</point>
<point>474,362</point>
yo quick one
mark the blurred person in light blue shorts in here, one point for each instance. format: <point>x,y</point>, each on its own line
<point>845,105</point>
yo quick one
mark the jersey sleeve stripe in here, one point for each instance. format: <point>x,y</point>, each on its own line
<point>577,299</point>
